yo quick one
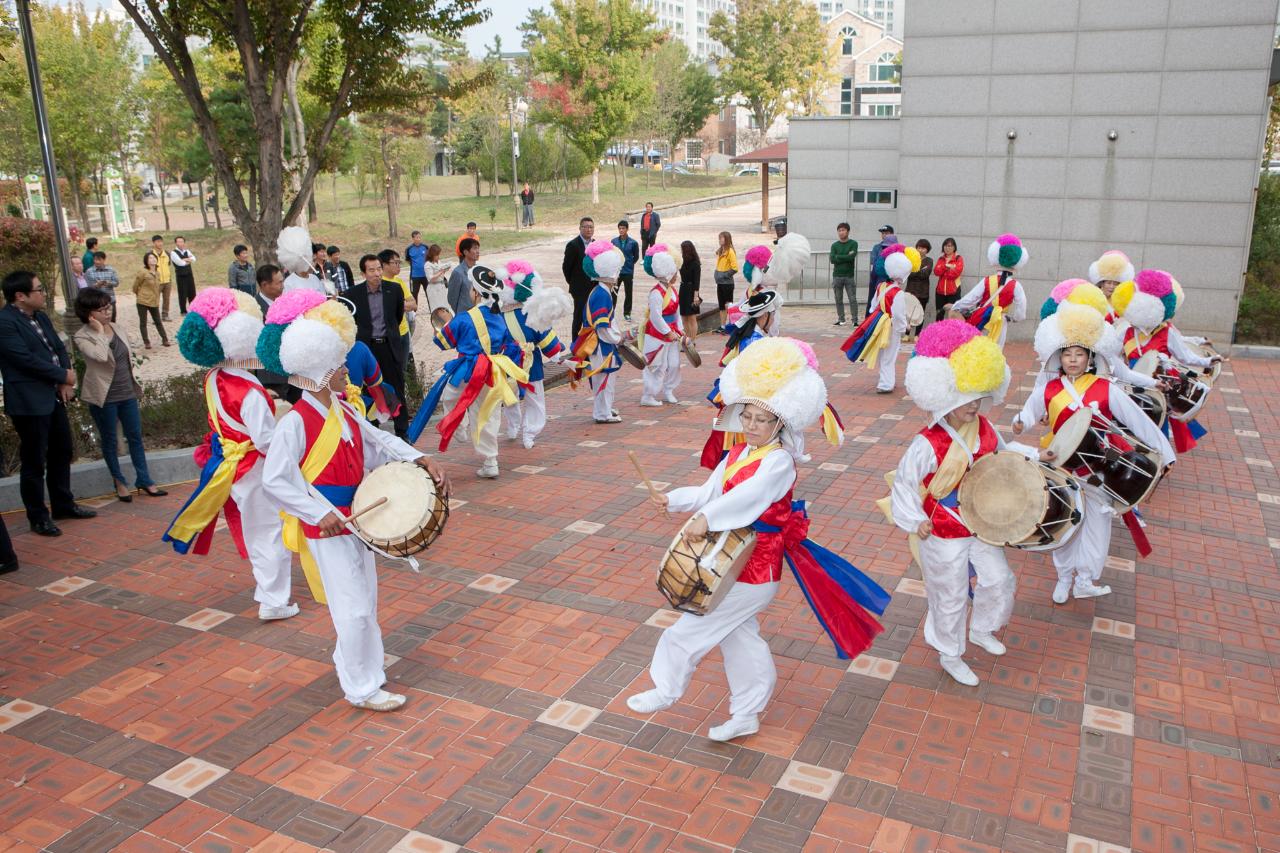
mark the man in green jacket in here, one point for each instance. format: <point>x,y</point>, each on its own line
<point>844,262</point>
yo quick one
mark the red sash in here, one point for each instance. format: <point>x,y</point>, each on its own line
<point>345,469</point>
<point>232,391</point>
<point>765,563</point>
<point>670,314</point>
<point>946,518</point>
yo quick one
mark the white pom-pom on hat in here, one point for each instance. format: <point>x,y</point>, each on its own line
<point>238,334</point>
<point>311,349</point>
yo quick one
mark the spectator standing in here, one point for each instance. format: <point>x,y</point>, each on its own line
<point>887,239</point>
<point>146,291</point>
<point>338,270</point>
<point>469,234</point>
<point>631,251</point>
<point>844,271</point>
<point>650,222</point>
<point>90,246</point>
<point>240,274</point>
<point>77,274</point>
<point>390,260</point>
<point>270,281</point>
<point>918,283</point>
<point>104,278</point>
<point>379,311</point>
<point>320,266</point>
<point>690,280</point>
<point>948,269</point>
<point>459,291</point>
<point>437,271</point>
<point>112,392</point>
<point>183,275</point>
<point>416,254</point>
<point>164,272</point>
<point>726,268</point>
<point>526,205</point>
<point>38,384</point>
<point>575,276</point>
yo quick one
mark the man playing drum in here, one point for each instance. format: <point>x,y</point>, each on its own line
<point>318,457</point>
<point>772,392</point>
<point>956,369</point>
<point>1076,344</point>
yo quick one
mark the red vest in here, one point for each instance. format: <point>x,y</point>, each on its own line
<point>946,519</point>
<point>765,563</point>
<point>1159,342</point>
<point>670,313</point>
<point>232,390</point>
<point>890,293</point>
<point>1098,394</point>
<point>346,468</point>
<point>1004,295</point>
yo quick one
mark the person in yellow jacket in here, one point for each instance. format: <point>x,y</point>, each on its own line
<point>164,273</point>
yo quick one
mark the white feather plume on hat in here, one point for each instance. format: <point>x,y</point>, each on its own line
<point>293,249</point>
<point>789,259</point>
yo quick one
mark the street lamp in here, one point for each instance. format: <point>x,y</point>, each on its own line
<point>515,154</point>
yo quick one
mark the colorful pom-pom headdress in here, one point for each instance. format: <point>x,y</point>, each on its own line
<point>660,263</point>
<point>1113,265</point>
<point>1148,300</point>
<point>1007,252</point>
<point>755,263</point>
<point>221,329</point>
<point>602,261</point>
<point>1076,291</point>
<point>543,306</point>
<point>1075,325</point>
<point>900,261</point>
<point>306,338</point>
<point>293,249</point>
<point>954,364</point>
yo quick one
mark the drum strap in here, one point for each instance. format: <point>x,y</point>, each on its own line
<point>732,468</point>
<point>314,461</point>
<point>1071,396</point>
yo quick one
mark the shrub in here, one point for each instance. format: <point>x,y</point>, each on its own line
<point>1259,317</point>
<point>26,244</point>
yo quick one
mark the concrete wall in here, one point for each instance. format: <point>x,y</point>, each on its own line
<point>1183,85</point>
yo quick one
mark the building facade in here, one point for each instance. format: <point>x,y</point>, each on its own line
<point>687,20</point>
<point>1080,125</point>
<point>887,13</point>
<point>866,68</point>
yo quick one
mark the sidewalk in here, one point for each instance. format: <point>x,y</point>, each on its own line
<point>143,706</point>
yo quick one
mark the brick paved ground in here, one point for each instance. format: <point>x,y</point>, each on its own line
<point>145,708</point>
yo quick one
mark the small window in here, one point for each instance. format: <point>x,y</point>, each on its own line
<point>883,70</point>
<point>873,198</point>
<point>846,96</point>
<point>847,35</point>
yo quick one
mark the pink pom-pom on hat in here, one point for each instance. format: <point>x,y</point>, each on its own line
<point>596,248</point>
<point>889,250</point>
<point>939,340</point>
<point>759,256</point>
<point>292,304</point>
<point>1156,283</point>
<point>517,270</point>
<point>657,248</point>
<point>1063,289</point>
<point>1008,240</point>
<point>810,357</point>
<point>213,304</point>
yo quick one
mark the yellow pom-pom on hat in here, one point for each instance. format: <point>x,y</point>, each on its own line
<point>766,369</point>
<point>914,254</point>
<point>336,316</point>
<point>1123,295</point>
<point>1090,295</point>
<point>979,366</point>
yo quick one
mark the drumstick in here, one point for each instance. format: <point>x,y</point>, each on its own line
<point>653,493</point>
<point>350,518</point>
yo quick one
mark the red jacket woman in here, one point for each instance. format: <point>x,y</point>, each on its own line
<point>948,268</point>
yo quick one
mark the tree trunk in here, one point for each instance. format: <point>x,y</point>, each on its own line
<point>625,167</point>
<point>476,172</point>
<point>217,206</point>
<point>595,183</point>
<point>311,209</point>
<point>253,194</point>
<point>77,198</point>
<point>204,211</point>
<point>335,195</point>
<point>164,206</point>
<point>300,160</point>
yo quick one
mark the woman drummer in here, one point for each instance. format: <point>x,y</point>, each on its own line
<point>772,392</point>
<point>954,372</point>
<point>1075,344</point>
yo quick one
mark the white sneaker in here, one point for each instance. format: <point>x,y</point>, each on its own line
<point>381,701</point>
<point>1061,590</point>
<point>527,441</point>
<point>959,670</point>
<point>987,641</point>
<point>735,728</point>
<point>612,419</point>
<point>271,614</point>
<point>511,436</point>
<point>648,702</point>
<point>489,470</point>
<point>670,398</point>
<point>650,402</point>
<point>1088,589</point>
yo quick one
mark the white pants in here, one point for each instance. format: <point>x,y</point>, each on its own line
<point>260,521</point>
<point>662,375</point>
<point>888,362</point>
<point>486,444</point>
<point>748,663</point>
<point>530,413</point>
<point>1086,552</point>
<point>602,386</point>
<point>351,585</point>
<point>946,586</point>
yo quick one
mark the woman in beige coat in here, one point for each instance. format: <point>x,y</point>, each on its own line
<point>146,287</point>
<point>111,391</point>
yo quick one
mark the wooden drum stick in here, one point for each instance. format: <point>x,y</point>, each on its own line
<point>647,484</point>
<point>350,518</point>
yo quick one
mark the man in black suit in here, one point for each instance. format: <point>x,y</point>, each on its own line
<point>579,282</point>
<point>270,279</point>
<point>38,384</point>
<point>379,310</point>
<point>650,222</point>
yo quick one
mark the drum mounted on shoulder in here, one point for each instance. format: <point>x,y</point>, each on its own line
<point>1008,500</point>
<point>413,515</point>
<point>694,578</point>
<point>1106,455</point>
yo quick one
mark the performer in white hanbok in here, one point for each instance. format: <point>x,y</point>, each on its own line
<point>998,299</point>
<point>663,336</point>
<point>595,351</point>
<point>530,310</point>
<point>878,337</point>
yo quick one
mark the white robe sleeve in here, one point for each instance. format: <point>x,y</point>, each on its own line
<point>691,498</point>
<point>1033,410</point>
<point>1179,350</point>
<point>258,420</point>
<point>899,310</point>
<point>382,447</point>
<point>1026,450</point>
<point>1136,421</point>
<point>1122,372</point>
<point>970,300</point>
<point>1017,311</point>
<point>282,473</point>
<point>748,500</point>
<point>917,463</point>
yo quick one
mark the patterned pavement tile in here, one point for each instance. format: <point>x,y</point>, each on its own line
<point>18,711</point>
<point>189,777</point>
<point>67,585</point>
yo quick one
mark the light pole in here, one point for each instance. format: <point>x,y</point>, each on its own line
<point>46,154</point>
<point>515,154</point>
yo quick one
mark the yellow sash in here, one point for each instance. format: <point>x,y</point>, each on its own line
<point>880,335</point>
<point>996,323</point>
<point>313,464</point>
<point>506,375</point>
<point>754,456</point>
<point>1064,400</point>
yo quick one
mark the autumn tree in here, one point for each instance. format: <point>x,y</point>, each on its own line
<point>684,96</point>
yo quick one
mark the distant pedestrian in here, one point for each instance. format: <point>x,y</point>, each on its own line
<point>77,274</point>
<point>416,254</point>
<point>631,251</point>
<point>112,392</point>
<point>338,270</point>
<point>164,272</point>
<point>104,278</point>
<point>437,292</point>
<point>690,282</point>
<point>844,271</point>
<point>379,310</point>
<point>878,275</point>
<point>469,234</point>
<point>580,284</point>
<point>918,284</point>
<point>650,222</point>
<point>948,269</point>
<point>726,269</point>
<point>270,281</point>
<point>240,274</point>
<point>526,205</point>
<point>183,276</point>
<point>90,246</point>
<point>459,291</point>
<point>390,261</point>
<point>146,291</point>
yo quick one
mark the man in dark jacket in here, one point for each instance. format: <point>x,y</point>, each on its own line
<point>379,309</point>
<point>575,276</point>
<point>650,222</point>
<point>38,384</point>
<point>887,239</point>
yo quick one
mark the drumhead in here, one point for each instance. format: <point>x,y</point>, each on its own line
<point>411,498</point>
<point>440,318</point>
<point>1003,498</point>
<point>691,353</point>
<point>631,357</point>
<point>1067,439</point>
<point>1147,364</point>
<point>915,311</point>
<point>1208,375</point>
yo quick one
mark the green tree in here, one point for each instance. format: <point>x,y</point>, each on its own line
<point>772,49</point>
<point>684,96</point>
<point>358,62</point>
<point>591,53</point>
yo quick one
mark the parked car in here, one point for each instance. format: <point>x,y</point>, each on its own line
<point>754,171</point>
<point>677,169</point>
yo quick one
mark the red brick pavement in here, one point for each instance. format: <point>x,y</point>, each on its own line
<point>145,708</point>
